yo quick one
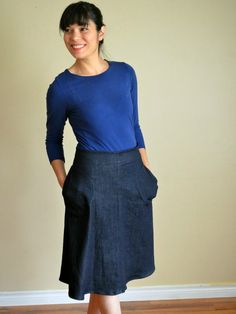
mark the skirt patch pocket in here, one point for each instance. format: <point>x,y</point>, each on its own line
<point>146,182</point>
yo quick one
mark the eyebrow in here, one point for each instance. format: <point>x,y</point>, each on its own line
<point>83,25</point>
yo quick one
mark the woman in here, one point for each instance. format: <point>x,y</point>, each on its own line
<point>108,191</point>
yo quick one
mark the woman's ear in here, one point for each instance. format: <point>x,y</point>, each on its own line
<point>102,32</point>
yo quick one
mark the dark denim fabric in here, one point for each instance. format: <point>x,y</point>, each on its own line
<point>108,227</point>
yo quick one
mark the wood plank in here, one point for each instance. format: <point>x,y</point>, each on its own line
<point>185,306</point>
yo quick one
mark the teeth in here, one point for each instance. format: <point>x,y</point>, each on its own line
<point>78,46</point>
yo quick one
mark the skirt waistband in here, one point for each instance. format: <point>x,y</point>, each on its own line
<point>104,157</point>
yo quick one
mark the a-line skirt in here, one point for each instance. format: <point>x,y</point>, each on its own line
<point>108,226</point>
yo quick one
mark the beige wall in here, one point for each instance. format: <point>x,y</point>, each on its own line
<point>184,55</point>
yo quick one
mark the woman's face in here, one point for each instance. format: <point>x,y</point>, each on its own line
<point>83,41</point>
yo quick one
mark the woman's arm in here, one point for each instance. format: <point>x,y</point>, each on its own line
<point>59,169</point>
<point>56,119</point>
<point>137,128</point>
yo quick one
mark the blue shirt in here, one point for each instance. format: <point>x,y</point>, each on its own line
<point>102,110</point>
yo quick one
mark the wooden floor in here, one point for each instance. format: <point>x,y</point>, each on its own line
<point>195,306</point>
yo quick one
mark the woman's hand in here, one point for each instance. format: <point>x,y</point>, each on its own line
<point>144,157</point>
<point>62,182</point>
<point>59,169</point>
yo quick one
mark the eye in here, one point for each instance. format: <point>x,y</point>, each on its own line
<point>84,29</point>
<point>67,30</point>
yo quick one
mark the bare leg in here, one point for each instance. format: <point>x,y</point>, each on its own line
<point>108,304</point>
<point>93,305</point>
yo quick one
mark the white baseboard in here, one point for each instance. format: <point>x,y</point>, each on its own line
<point>164,292</point>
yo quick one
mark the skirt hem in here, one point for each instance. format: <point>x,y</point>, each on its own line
<point>118,291</point>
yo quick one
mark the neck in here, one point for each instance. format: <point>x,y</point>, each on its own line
<point>89,66</point>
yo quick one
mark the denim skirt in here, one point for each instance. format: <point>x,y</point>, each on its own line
<point>108,223</point>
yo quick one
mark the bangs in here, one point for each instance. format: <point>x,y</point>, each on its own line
<point>74,15</point>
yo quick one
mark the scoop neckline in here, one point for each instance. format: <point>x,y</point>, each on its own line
<point>89,76</point>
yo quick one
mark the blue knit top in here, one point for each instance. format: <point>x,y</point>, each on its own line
<point>102,110</point>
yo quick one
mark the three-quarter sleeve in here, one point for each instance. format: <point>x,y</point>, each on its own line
<point>56,119</point>
<point>134,95</point>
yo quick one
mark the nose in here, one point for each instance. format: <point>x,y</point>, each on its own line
<point>75,35</point>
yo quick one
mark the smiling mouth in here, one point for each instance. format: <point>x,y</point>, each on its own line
<point>78,46</point>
